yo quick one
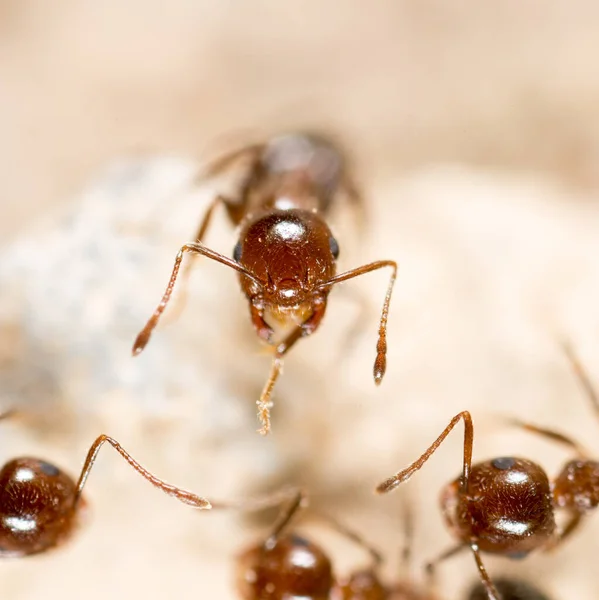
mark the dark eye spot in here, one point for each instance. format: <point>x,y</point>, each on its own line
<point>334,247</point>
<point>298,540</point>
<point>504,463</point>
<point>48,468</point>
<point>237,252</point>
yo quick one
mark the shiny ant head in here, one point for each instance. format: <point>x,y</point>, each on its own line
<point>285,568</point>
<point>290,252</point>
<point>37,509</point>
<point>507,508</point>
<point>509,589</point>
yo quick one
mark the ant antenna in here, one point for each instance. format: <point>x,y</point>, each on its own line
<point>380,363</point>
<point>180,494</point>
<point>401,476</point>
<point>356,538</point>
<point>142,339</point>
<point>581,374</point>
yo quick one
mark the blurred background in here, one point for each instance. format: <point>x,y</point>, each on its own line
<point>474,131</point>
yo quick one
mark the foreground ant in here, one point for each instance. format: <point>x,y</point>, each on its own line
<point>507,505</point>
<point>40,505</point>
<point>286,566</point>
<point>286,254</point>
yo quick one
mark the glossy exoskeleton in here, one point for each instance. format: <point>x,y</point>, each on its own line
<point>287,566</point>
<point>40,505</point>
<point>286,254</point>
<point>508,505</point>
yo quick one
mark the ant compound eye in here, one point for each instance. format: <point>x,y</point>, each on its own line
<point>334,247</point>
<point>237,252</point>
<point>48,468</point>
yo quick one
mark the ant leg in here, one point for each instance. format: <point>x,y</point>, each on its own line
<point>297,503</point>
<point>407,517</point>
<point>180,494</point>
<point>144,335</point>
<point>582,375</point>
<point>217,166</point>
<point>306,328</point>
<point>431,567</point>
<point>492,592</point>
<point>286,494</point>
<point>359,321</point>
<point>375,555</point>
<point>9,413</point>
<point>181,299</point>
<point>554,436</point>
<point>392,482</point>
<point>568,529</point>
<point>353,194</point>
<point>380,363</point>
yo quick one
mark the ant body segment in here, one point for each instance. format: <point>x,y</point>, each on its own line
<point>40,505</point>
<point>507,506</point>
<point>287,566</point>
<point>286,254</point>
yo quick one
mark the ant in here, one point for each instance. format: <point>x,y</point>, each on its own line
<point>286,254</point>
<point>286,566</point>
<point>507,505</point>
<point>40,505</point>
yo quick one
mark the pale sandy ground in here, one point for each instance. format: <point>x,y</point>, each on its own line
<point>476,131</point>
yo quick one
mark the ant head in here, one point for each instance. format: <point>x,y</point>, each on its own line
<point>291,252</point>
<point>283,569</point>
<point>507,507</point>
<point>361,585</point>
<point>577,486</point>
<point>36,506</point>
<point>509,589</point>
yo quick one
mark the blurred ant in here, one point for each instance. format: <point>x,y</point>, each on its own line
<point>507,505</point>
<point>509,589</point>
<point>286,254</point>
<point>40,505</point>
<point>286,566</point>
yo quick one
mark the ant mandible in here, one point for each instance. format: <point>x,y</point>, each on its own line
<point>286,254</point>
<point>286,566</point>
<point>507,505</point>
<point>40,505</point>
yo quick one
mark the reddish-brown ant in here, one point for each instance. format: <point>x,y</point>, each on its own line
<point>40,505</point>
<point>507,505</point>
<point>286,566</point>
<point>286,254</point>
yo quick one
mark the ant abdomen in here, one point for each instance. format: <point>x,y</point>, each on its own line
<point>577,486</point>
<point>283,569</point>
<point>507,507</point>
<point>36,506</point>
<point>308,154</point>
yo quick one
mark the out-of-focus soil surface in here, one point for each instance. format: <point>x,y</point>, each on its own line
<point>475,133</point>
